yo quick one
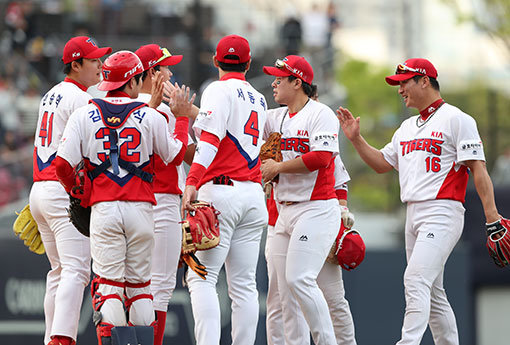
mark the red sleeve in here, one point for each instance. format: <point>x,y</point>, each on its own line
<point>197,171</point>
<point>272,210</point>
<point>65,173</point>
<point>181,134</point>
<point>210,138</point>
<point>315,160</point>
<point>341,194</point>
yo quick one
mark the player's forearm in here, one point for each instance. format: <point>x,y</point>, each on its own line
<point>371,156</point>
<point>65,173</point>
<point>181,134</point>
<point>293,166</point>
<point>485,190</point>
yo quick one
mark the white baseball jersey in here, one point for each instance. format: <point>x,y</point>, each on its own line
<point>313,128</point>
<point>54,110</point>
<point>428,155</point>
<point>274,124</point>
<point>169,179</point>
<point>238,129</point>
<point>142,132</point>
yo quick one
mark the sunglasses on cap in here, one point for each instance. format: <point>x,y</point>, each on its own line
<point>282,64</point>
<point>401,68</point>
<point>166,54</point>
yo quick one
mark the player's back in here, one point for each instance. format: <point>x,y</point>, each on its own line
<point>140,132</point>
<point>54,110</point>
<point>236,113</point>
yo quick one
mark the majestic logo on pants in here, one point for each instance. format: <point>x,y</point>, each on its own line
<point>430,235</point>
<point>303,238</point>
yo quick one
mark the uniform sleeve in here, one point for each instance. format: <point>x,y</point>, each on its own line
<point>324,132</point>
<point>214,111</point>
<point>269,127</point>
<point>341,174</point>
<point>467,139</point>
<point>389,151</point>
<point>166,146</point>
<point>70,144</point>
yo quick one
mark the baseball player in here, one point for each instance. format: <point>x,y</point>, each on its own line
<point>309,217</point>
<point>168,185</point>
<point>432,152</point>
<point>68,251</point>
<point>116,137</point>
<point>329,278</point>
<point>226,172</point>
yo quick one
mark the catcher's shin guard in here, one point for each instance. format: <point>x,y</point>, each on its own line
<point>103,329</point>
<point>139,303</point>
<point>159,327</point>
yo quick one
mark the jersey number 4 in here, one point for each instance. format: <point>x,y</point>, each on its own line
<point>251,127</point>
<point>46,129</point>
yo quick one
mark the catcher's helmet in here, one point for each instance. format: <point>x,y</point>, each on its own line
<point>118,69</point>
<point>350,250</point>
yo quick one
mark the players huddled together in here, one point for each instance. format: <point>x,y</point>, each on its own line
<point>130,145</point>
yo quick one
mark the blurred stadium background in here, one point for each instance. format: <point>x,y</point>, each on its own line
<point>361,42</point>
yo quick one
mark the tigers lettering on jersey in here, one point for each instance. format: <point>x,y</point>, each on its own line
<point>300,145</point>
<point>423,144</point>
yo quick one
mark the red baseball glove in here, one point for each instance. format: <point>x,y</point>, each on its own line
<point>200,231</point>
<point>498,241</point>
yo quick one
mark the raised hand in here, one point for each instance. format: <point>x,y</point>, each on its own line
<point>181,104</point>
<point>156,90</point>
<point>349,124</point>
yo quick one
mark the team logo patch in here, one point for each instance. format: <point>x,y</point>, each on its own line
<point>113,120</point>
<point>105,74</point>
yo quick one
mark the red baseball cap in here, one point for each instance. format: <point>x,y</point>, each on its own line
<point>153,55</point>
<point>411,68</point>
<point>291,65</point>
<point>83,47</point>
<point>118,69</point>
<point>236,46</point>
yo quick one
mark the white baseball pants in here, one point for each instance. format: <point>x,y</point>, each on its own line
<point>242,220</point>
<point>304,233</point>
<point>68,252</point>
<point>122,239</point>
<point>167,248</point>
<point>433,228</point>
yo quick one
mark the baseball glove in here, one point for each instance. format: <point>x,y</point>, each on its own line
<point>498,241</point>
<point>200,229</point>
<point>192,262</point>
<point>26,229</point>
<point>271,149</point>
<point>79,215</point>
